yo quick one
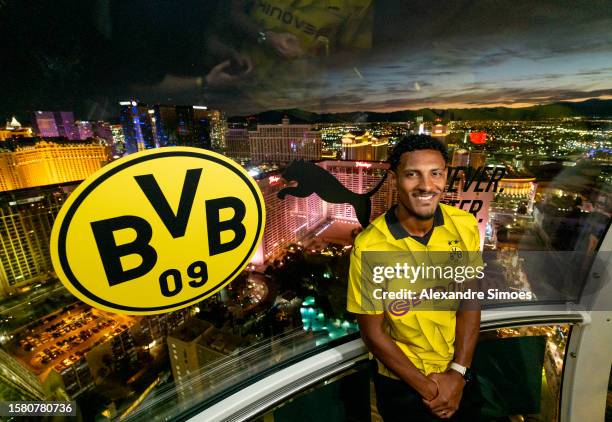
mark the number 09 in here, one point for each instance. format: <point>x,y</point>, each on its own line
<point>197,270</point>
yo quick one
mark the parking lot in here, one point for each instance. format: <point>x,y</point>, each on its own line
<point>62,338</point>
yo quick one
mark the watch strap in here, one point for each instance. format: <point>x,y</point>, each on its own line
<point>459,368</point>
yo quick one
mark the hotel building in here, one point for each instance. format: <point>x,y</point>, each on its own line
<point>237,144</point>
<point>45,163</point>
<point>284,143</point>
<point>361,145</point>
<point>191,348</point>
<point>26,219</point>
<point>291,219</point>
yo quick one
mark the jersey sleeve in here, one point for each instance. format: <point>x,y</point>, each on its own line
<point>357,30</point>
<point>359,289</point>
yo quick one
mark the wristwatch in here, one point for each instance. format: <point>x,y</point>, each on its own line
<point>262,37</point>
<point>467,373</point>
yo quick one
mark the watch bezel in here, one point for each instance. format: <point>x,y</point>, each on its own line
<point>469,375</point>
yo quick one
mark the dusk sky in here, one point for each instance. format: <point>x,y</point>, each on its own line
<point>425,54</point>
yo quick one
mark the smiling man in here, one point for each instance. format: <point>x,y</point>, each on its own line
<point>423,356</point>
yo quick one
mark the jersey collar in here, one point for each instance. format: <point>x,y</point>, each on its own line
<point>399,232</point>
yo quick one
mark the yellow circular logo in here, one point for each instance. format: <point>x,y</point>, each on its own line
<point>158,230</point>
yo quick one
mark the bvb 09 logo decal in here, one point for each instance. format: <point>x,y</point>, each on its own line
<point>157,231</point>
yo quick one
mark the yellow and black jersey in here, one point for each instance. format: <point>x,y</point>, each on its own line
<point>427,337</point>
<point>321,26</point>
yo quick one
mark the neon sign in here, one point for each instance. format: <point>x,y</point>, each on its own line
<point>274,180</point>
<point>362,164</point>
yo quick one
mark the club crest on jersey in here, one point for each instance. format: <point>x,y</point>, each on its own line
<point>456,253</point>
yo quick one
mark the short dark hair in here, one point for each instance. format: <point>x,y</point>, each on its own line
<point>415,143</point>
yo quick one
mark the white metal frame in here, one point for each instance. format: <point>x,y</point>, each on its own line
<point>589,352</point>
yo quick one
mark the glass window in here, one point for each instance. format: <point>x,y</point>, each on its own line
<point>526,386</point>
<point>295,91</point>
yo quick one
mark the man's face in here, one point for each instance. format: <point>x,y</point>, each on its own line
<point>420,179</point>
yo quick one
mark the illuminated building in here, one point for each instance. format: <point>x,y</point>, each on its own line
<point>45,124</point>
<point>192,347</point>
<point>118,143</point>
<point>287,220</point>
<point>162,125</point>
<point>439,131</point>
<point>284,143</point>
<point>134,118</point>
<point>13,129</point>
<point>218,128</point>
<point>292,219</point>
<point>515,189</point>
<point>103,131</point>
<point>380,149</point>
<point>360,177</point>
<point>357,145</point>
<point>194,126</point>
<point>478,158</point>
<point>45,163</point>
<point>237,143</point>
<point>54,124</point>
<point>84,130</point>
<point>362,146</point>
<point>26,219</point>
<point>9,179</point>
<point>155,328</point>
<point>461,158</point>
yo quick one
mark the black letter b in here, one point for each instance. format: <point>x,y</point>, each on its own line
<point>215,226</point>
<point>110,252</point>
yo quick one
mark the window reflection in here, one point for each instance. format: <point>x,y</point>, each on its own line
<point>267,82</point>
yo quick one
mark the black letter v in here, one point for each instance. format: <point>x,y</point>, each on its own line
<point>176,224</point>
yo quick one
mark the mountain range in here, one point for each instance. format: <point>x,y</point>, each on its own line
<point>588,108</point>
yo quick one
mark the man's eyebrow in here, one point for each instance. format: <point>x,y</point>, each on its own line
<point>420,170</point>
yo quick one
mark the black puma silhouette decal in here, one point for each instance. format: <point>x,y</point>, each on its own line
<point>314,179</point>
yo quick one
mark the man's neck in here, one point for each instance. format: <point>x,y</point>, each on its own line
<point>413,225</point>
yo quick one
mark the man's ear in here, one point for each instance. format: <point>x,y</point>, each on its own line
<point>392,175</point>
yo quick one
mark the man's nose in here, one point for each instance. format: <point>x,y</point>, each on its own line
<point>426,184</point>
